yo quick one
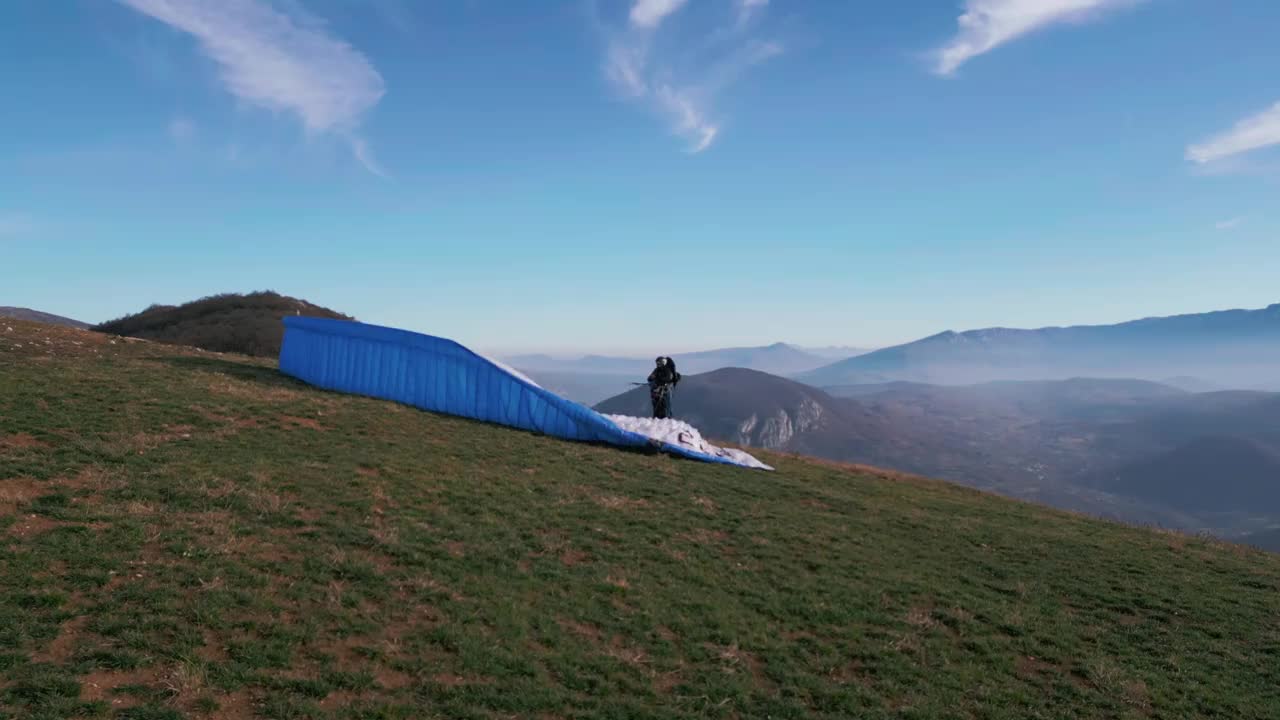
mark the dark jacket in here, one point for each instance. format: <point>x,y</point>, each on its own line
<point>665,375</point>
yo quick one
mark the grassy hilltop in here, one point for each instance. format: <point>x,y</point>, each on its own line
<point>248,323</point>
<point>184,534</point>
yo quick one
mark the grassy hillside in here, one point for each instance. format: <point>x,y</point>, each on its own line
<point>248,324</point>
<point>194,536</point>
<point>18,313</point>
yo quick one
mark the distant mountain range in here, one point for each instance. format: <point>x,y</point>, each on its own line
<point>1228,348</point>
<point>41,317</point>
<point>587,388</point>
<point>777,359</point>
<point>1134,450</point>
<point>836,352</point>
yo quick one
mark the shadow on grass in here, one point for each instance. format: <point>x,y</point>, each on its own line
<point>266,375</point>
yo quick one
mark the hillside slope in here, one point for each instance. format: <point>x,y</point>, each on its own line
<point>197,536</point>
<point>247,324</point>
<point>1213,473</point>
<point>19,313</point>
<point>746,407</point>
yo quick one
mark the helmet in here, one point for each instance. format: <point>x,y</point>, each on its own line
<point>660,361</point>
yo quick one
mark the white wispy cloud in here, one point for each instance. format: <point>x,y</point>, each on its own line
<point>1252,133</point>
<point>987,24</point>
<point>365,156</point>
<point>690,120</point>
<point>1231,224</point>
<point>280,62</point>
<point>748,8</point>
<point>683,93</point>
<point>650,13</point>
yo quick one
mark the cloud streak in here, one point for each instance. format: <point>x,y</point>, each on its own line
<point>748,8</point>
<point>988,24</point>
<point>280,63</point>
<point>1231,224</point>
<point>682,94</point>
<point>1252,133</point>
<point>650,13</point>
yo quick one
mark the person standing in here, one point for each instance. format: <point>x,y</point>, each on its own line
<point>661,381</point>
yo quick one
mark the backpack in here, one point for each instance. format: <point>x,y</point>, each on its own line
<point>675,376</point>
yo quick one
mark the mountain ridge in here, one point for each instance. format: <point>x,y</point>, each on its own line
<point>1234,346</point>
<point>778,358</point>
<point>22,313</point>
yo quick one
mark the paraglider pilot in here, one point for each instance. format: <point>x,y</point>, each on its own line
<point>663,378</point>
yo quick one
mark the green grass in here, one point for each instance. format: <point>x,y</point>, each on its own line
<point>188,535</point>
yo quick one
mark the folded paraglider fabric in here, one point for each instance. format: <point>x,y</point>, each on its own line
<point>442,376</point>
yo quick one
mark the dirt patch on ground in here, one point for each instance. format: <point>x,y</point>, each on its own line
<point>363,471</point>
<point>19,491</point>
<point>246,390</point>
<point>293,422</point>
<point>420,582</point>
<point>619,649</point>
<point>389,679</point>
<point>213,649</point>
<point>1034,669</point>
<point>664,683</point>
<point>850,673</point>
<point>452,680</point>
<point>101,685</point>
<point>234,706</point>
<point>228,424</point>
<point>706,504</point>
<point>1136,694</point>
<point>618,502</point>
<point>21,441</point>
<point>338,699</point>
<point>142,442</point>
<point>60,648</point>
<point>581,629</point>
<point>921,617</point>
<point>703,536</point>
<point>1028,667</point>
<point>734,659</point>
<point>90,477</point>
<point>30,525</point>
<point>571,557</point>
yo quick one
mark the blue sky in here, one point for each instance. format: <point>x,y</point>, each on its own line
<point>645,175</point>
